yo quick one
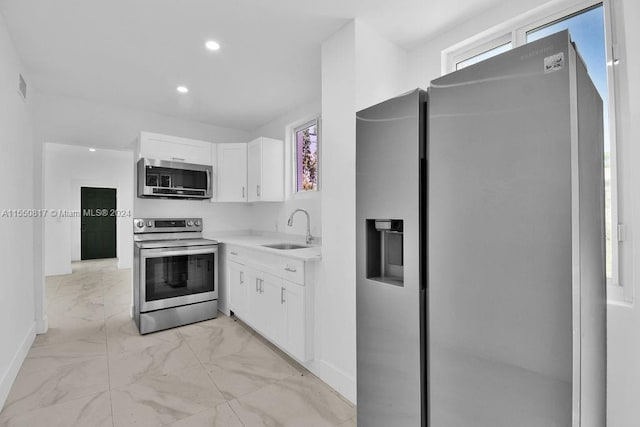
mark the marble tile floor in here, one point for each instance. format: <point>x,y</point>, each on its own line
<point>93,368</point>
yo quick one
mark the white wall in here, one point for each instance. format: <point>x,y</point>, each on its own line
<point>335,294</point>
<point>17,317</point>
<point>225,217</point>
<point>66,169</point>
<point>359,69</point>
<point>381,68</point>
<point>623,376</point>
<point>74,121</point>
<point>623,327</point>
<point>273,216</point>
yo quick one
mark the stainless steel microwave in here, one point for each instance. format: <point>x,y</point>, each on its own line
<point>160,178</point>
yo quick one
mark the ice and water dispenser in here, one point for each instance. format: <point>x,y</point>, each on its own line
<point>384,251</point>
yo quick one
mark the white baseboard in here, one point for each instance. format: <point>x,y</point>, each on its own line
<point>339,380</point>
<point>59,271</point>
<point>10,374</point>
<point>42,326</point>
<point>122,264</point>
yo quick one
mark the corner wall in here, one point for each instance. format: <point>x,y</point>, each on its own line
<point>359,69</point>
<point>623,323</point>
<point>17,316</point>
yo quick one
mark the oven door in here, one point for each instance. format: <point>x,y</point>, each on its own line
<point>171,277</point>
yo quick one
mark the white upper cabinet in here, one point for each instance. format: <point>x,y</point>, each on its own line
<point>265,170</point>
<point>232,172</point>
<point>174,149</point>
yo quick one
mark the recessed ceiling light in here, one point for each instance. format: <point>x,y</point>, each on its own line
<point>212,45</point>
<point>182,89</point>
<point>92,149</point>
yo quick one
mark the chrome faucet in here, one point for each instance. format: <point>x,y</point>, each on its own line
<point>290,223</point>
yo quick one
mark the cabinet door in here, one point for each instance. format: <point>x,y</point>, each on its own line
<point>232,172</point>
<point>254,169</point>
<point>272,182</point>
<point>194,151</point>
<point>175,149</point>
<point>294,321</point>
<point>255,309</point>
<point>238,297</point>
<point>160,147</point>
<point>271,294</point>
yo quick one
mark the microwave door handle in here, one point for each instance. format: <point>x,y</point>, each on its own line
<point>209,187</point>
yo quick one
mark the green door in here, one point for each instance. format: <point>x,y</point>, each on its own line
<point>98,225</point>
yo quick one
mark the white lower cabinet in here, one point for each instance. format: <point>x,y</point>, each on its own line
<point>293,319</point>
<point>265,311</point>
<point>277,308</point>
<point>238,288</point>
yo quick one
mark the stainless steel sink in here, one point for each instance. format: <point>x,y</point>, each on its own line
<point>285,246</point>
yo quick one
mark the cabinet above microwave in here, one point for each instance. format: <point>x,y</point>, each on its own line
<point>161,178</point>
<point>174,148</point>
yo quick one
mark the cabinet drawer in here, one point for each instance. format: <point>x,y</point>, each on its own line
<point>292,270</point>
<point>286,268</point>
<point>235,253</point>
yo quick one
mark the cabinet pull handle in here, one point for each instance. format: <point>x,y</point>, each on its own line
<point>258,190</point>
<point>178,159</point>
<point>233,253</point>
<point>292,270</point>
<point>243,191</point>
<point>282,301</point>
<point>261,286</point>
<point>241,277</point>
<point>257,285</point>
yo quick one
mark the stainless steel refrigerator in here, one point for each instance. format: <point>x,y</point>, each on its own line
<point>480,248</point>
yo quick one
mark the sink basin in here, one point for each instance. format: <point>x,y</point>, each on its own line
<point>285,246</point>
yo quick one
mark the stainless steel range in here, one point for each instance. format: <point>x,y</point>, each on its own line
<point>175,273</point>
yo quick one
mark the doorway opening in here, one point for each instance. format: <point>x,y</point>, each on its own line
<point>98,223</point>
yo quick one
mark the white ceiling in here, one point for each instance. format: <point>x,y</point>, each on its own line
<point>133,53</point>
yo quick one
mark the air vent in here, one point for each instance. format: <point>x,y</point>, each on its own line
<point>22,87</point>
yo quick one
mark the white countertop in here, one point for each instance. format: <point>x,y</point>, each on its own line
<point>312,253</point>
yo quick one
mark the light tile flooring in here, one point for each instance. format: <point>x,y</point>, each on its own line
<point>93,368</point>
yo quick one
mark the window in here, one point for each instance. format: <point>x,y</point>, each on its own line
<point>591,32</point>
<point>484,55</point>
<point>587,31</point>
<point>306,156</point>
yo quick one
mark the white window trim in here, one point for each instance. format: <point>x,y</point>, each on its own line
<point>293,164</point>
<point>515,31</point>
<point>458,56</point>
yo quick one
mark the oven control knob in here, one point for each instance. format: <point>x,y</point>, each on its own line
<point>149,224</point>
<point>189,223</point>
<point>197,223</point>
<point>140,223</point>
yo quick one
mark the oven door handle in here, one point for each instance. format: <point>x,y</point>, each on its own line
<point>164,252</point>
